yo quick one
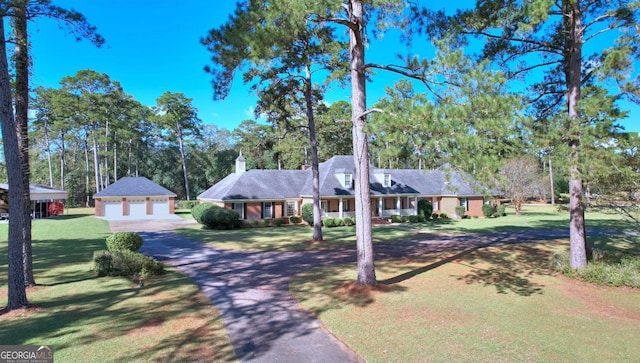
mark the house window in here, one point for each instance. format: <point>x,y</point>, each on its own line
<point>239,207</point>
<point>267,210</point>
<point>346,205</point>
<point>347,180</point>
<point>290,208</point>
<point>464,202</point>
<point>435,204</point>
<point>387,180</point>
<point>403,203</point>
<point>324,205</point>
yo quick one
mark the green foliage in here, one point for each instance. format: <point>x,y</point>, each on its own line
<point>502,210</point>
<point>307,213</point>
<point>435,216</point>
<point>488,210</point>
<point>415,218</point>
<point>328,222</point>
<point>220,218</point>
<point>348,221</point>
<point>277,222</point>
<point>198,211</point>
<point>607,270</point>
<point>253,223</point>
<point>125,263</point>
<point>444,215</point>
<point>294,219</point>
<point>187,204</point>
<point>396,218</point>
<point>425,208</point>
<point>121,241</point>
<point>460,211</point>
<point>265,223</point>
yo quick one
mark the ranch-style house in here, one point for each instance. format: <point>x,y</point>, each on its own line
<point>267,194</point>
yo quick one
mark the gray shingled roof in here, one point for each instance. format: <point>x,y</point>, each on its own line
<point>329,183</point>
<point>258,185</point>
<point>134,187</point>
<point>455,182</point>
<point>283,184</point>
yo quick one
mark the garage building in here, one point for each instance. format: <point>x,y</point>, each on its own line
<point>135,198</point>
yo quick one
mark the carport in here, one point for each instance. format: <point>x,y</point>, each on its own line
<point>45,200</point>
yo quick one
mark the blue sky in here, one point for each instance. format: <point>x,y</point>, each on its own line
<point>153,46</point>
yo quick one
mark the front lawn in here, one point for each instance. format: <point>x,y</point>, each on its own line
<point>288,237</point>
<point>497,304</point>
<point>298,237</point>
<point>90,319</point>
<point>533,217</point>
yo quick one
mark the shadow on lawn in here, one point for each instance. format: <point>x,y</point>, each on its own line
<point>498,261</point>
<point>509,269</point>
<point>78,319</point>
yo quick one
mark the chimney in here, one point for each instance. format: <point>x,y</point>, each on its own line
<point>241,167</point>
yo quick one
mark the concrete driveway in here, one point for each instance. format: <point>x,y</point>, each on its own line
<point>251,289</point>
<point>150,225</point>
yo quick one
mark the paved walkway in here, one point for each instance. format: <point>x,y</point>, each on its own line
<point>251,289</point>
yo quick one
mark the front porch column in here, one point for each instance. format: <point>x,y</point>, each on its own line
<point>398,205</point>
<point>415,206</point>
<point>340,208</point>
<point>380,207</point>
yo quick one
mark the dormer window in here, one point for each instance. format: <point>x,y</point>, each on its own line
<point>387,180</point>
<point>348,180</point>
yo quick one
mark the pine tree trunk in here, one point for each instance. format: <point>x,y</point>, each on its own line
<point>105,175</point>
<point>129,151</point>
<point>315,168</point>
<point>47,143</point>
<point>184,161</point>
<point>552,188</point>
<point>21,56</point>
<point>16,294</point>
<point>62,160</point>
<point>87,170</point>
<point>115,156</point>
<point>96,164</point>
<point>366,268</point>
<point>577,236</point>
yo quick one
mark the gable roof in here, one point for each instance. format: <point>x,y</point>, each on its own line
<point>289,184</point>
<point>134,187</point>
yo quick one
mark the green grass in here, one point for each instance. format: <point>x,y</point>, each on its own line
<point>497,304</point>
<point>90,319</point>
<point>288,237</point>
<point>533,217</point>
<point>298,237</point>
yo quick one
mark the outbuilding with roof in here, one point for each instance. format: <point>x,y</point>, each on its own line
<point>134,198</point>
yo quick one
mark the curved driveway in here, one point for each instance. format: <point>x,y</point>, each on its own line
<point>251,289</point>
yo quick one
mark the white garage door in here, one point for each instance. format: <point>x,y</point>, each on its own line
<point>112,208</point>
<point>137,208</point>
<point>160,207</point>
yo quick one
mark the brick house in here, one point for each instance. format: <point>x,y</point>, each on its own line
<point>267,194</point>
